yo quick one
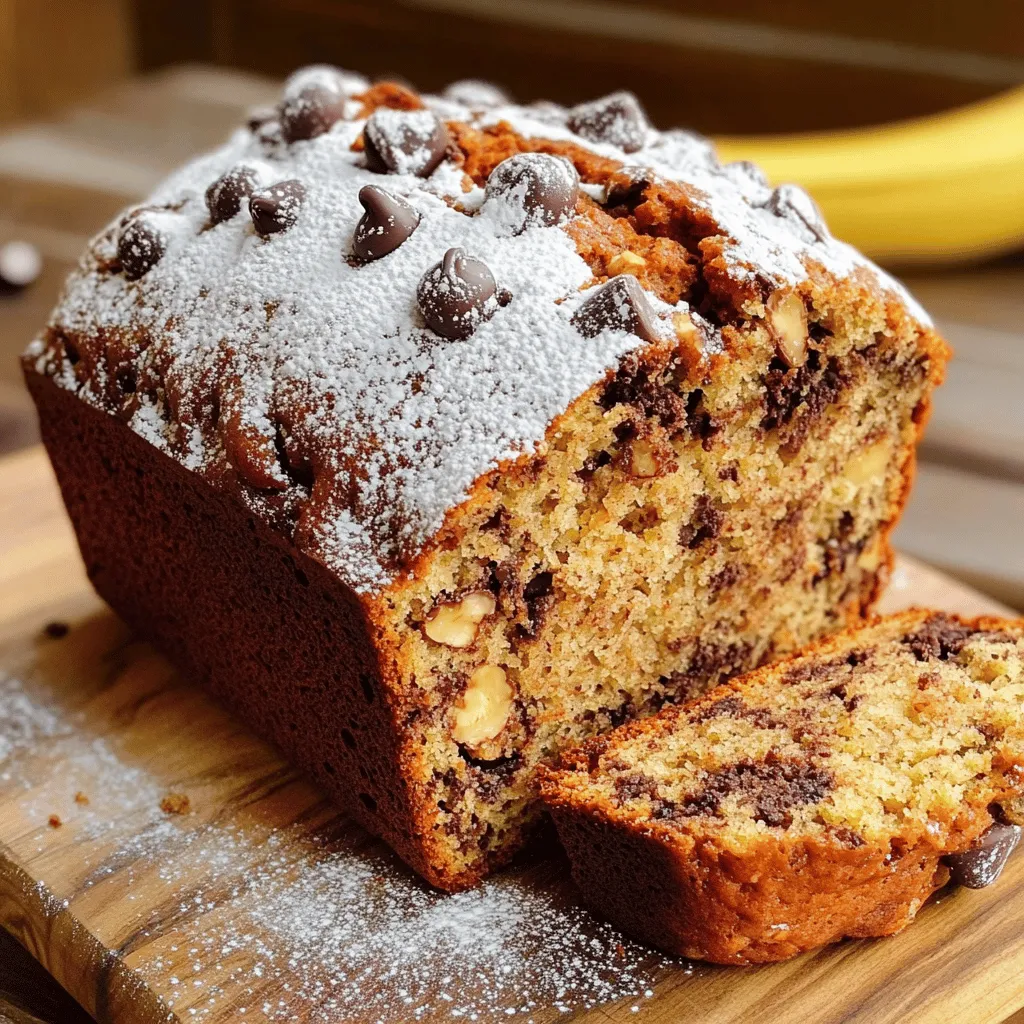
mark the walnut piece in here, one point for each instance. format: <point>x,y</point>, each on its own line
<point>626,263</point>
<point>644,459</point>
<point>484,708</point>
<point>869,464</point>
<point>787,319</point>
<point>455,623</point>
<point>690,342</point>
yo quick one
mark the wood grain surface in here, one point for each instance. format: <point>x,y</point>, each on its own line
<point>147,915</point>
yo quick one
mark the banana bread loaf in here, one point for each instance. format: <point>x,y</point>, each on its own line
<point>435,434</point>
<point>822,797</point>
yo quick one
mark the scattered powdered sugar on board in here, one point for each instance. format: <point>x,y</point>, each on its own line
<point>281,922</point>
<point>352,935</point>
<point>23,722</point>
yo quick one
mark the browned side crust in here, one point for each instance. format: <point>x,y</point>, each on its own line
<point>693,899</point>
<point>272,633</point>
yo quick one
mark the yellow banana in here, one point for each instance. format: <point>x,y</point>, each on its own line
<point>939,188</point>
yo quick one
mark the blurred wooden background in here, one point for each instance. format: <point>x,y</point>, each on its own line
<point>731,66</point>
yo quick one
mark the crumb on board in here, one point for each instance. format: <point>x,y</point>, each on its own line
<point>56,630</point>
<point>81,798</point>
<point>175,803</point>
<point>54,821</point>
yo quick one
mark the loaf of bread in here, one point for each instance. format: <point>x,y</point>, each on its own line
<point>826,796</point>
<point>435,434</point>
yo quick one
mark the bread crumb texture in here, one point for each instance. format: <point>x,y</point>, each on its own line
<point>887,747</point>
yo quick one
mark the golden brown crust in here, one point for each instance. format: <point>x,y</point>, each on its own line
<point>704,902</point>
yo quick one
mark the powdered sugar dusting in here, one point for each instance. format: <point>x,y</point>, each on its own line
<point>292,342</point>
<point>245,915</point>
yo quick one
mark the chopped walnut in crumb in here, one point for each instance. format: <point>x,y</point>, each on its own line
<point>787,319</point>
<point>484,708</point>
<point>870,464</point>
<point>175,803</point>
<point>455,623</point>
<point>646,457</point>
<point>690,339</point>
<point>626,263</point>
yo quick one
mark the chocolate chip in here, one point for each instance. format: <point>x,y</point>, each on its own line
<point>349,83</point>
<point>620,305</point>
<point>310,112</point>
<point>750,180</point>
<point>476,94</point>
<point>388,221</point>
<point>706,524</point>
<point>276,207</point>
<point>538,596</point>
<point>404,141</point>
<point>140,246</point>
<point>313,100</point>
<point>532,190</point>
<point>794,204</point>
<point>20,265</point>
<point>626,186</point>
<point>56,630</point>
<point>457,294</point>
<point>983,863</point>
<point>617,119</point>
<point>224,197</point>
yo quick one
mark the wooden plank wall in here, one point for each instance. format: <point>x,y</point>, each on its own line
<point>746,65</point>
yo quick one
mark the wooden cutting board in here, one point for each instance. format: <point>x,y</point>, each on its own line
<point>166,866</point>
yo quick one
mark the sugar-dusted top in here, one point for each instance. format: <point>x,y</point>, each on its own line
<point>330,317</point>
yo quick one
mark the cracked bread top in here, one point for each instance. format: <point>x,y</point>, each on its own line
<point>367,299</point>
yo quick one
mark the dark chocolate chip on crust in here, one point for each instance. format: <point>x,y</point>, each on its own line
<point>794,204</point>
<point>617,119</point>
<point>140,246</point>
<point>311,111</point>
<point>388,221</point>
<point>618,305</point>
<point>457,294</point>
<point>627,185</point>
<point>983,863</point>
<point>224,197</point>
<point>533,189</point>
<point>276,207</point>
<point>404,141</point>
